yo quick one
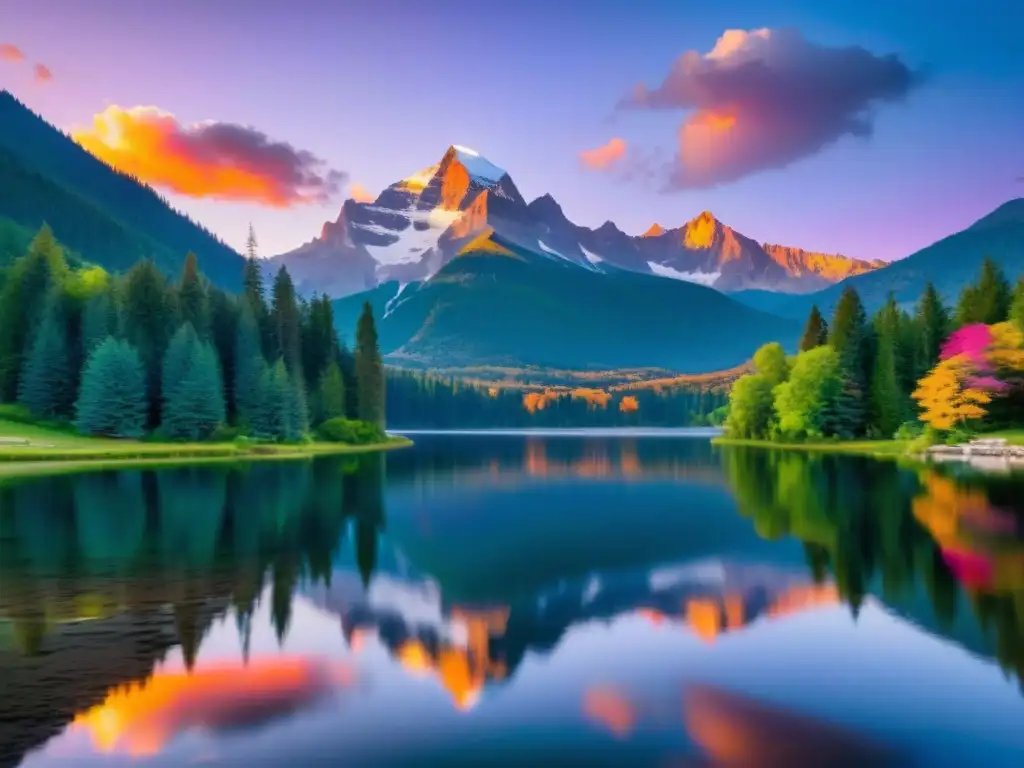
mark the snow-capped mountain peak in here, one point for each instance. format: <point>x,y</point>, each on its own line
<point>419,223</point>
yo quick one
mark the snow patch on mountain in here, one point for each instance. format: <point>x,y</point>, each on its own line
<point>701,278</point>
<point>391,305</point>
<point>592,257</point>
<point>478,165</point>
<point>412,242</point>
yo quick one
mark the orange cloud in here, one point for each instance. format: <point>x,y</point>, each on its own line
<point>140,720</point>
<point>9,52</point>
<point>221,161</point>
<point>360,193</point>
<point>43,73</point>
<point>608,707</point>
<point>604,157</point>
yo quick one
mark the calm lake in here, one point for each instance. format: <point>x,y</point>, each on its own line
<point>515,600</point>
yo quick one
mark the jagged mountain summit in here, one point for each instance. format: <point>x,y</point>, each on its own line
<point>419,224</point>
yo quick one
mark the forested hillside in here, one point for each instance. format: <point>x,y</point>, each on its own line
<point>107,217</point>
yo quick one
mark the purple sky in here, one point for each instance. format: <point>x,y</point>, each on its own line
<point>379,88</point>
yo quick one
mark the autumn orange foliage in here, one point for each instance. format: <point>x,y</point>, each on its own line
<point>629,404</point>
<point>946,399</point>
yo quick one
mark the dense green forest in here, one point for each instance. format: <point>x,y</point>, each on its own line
<point>422,401</point>
<point>939,370</point>
<point>134,354</point>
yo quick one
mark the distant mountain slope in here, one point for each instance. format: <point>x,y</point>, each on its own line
<point>109,218</point>
<point>950,264</point>
<point>418,224</point>
<point>500,303</point>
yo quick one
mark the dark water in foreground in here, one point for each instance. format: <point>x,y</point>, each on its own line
<point>515,600</point>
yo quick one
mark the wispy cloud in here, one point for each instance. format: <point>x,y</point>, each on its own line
<point>43,73</point>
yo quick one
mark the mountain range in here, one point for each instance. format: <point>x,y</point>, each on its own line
<point>463,271</point>
<point>949,264</point>
<point>419,224</point>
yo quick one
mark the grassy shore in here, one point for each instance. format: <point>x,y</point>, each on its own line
<point>873,448</point>
<point>51,451</point>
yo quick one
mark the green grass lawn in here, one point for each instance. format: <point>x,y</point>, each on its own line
<point>51,450</point>
<point>850,447</point>
<point>1012,436</point>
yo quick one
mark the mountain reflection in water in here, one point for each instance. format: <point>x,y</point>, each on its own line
<point>578,600</point>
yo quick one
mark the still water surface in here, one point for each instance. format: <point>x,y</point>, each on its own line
<point>515,600</point>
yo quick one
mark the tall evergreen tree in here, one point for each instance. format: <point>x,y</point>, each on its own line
<point>286,322</point>
<point>330,399</point>
<point>320,345</point>
<point>223,335</point>
<point>298,414</point>
<point>815,332</point>
<point>193,391</point>
<point>848,335</point>
<point>250,367</point>
<point>112,397</point>
<point>932,321</point>
<point>146,323</point>
<point>193,302</point>
<point>887,402</point>
<point>45,385</point>
<point>29,278</point>
<point>986,301</point>
<point>254,291</point>
<point>369,370</point>
<point>347,364</point>
<point>99,320</point>
<point>1017,305</point>
<point>272,419</point>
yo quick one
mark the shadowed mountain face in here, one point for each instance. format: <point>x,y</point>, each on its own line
<point>419,224</point>
<point>499,303</point>
<point>601,600</point>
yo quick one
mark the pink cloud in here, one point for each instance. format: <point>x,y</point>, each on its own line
<point>10,52</point>
<point>43,73</point>
<point>767,98</point>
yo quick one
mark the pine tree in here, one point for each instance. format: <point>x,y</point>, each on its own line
<point>254,292</point>
<point>988,300</point>
<point>320,344</point>
<point>112,396</point>
<point>146,324</point>
<point>932,321</point>
<point>369,370</point>
<point>848,335</point>
<point>31,277</point>
<point>330,398</point>
<point>286,322</point>
<point>250,367</point>
<point>193,302</point>
<point>193,390</point>
<point>1017,305</point>
<point>250,246</point>
<point>99,320</point>
<point>298,409</point>
<point>272,418</point>
<point>887,406</point>
<point>45,387</point>
<point>815,332</point>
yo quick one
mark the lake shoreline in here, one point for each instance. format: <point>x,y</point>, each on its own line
<point>37,461</point>
<point>877,449</point>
